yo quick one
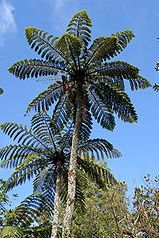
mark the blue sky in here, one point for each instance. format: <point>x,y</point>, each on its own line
<point>139,142</point>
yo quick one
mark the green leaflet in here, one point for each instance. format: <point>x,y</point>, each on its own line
<point>79,26</point>
<point>71,47</point>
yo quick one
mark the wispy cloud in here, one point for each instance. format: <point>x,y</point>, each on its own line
<point>59,4</point>
<point>7,20</point>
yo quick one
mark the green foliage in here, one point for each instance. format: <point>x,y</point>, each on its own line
<point>79,26</point>
<point>104,215</point>
<point>35,156</point>
<point>4,199</point>
<point>83,68</point>
<point>11,232</point>
<point>146,207</point>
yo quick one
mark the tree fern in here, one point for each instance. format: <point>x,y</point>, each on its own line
<point>83,69</point>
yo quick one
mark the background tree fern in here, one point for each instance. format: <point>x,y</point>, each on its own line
<point>42,152</point>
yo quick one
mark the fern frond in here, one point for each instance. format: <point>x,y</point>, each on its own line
<point>70,46</point>
<point>124,37</point>
<point>116,101</point>
<point>32,68</point>
<point>40,125</point>
<point>102,49</point>
<point>13,155</point>
<point>105,48</point>
<point>44,44</point>
<point>156,87</point>
<point>11,232</point>
<point>21,134</point>
<point>61,113</point>
<point>96,172</point>
<point>79,26</point>
<point>119,70</point>
<point>86,125</point>
<point>79,195</point>
<point>98,148</point>
<point>26,170</point>
<point>100,111</point>
<point>45,99</point>
<point>44,183</point>
<point>27,212</point>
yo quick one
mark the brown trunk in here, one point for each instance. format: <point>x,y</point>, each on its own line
<point>56,201</point>
<point>72,173</point>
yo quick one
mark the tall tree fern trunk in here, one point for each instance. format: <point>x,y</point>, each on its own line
<point>72,172</point>
<point>56,201</point>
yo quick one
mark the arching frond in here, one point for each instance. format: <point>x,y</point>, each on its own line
<point>105,48</point>
<point>98,148</point>
<point>32,68</point>
<point>61,114</point>
<point>45,99</point>
<point>124,37</point>
<point>100,111</point>
<point>11,232</point>
<point>40,125</point>
<point>96,172</point>
<point>27,212</point>
<point>13,155</point>
<point>116,101</point>
<point>79,26</point>
<point>117,71</point>
<point>26,170</point>
<point>43,43</point>
<point>21,134</point>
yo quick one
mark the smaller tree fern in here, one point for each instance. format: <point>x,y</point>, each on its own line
<point>42,152</point>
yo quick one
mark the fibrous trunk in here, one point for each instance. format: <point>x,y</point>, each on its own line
<point>72,172</point>
<point>56,201</point>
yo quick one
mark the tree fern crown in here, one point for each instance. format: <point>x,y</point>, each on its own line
<point>79,64</point>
